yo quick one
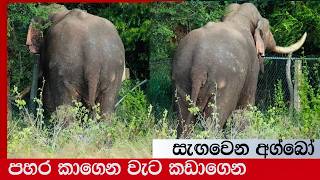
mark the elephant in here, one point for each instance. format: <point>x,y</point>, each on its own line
<point>82,58</point>
<point>220,63</point>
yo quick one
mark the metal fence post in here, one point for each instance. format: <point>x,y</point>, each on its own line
<point>289,82</point>
<point>297,84</point>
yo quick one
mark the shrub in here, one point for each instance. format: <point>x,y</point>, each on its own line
<point>73,131</point>
<point>310,102</point>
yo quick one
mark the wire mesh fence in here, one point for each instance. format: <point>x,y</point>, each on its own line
<point>274,73</point>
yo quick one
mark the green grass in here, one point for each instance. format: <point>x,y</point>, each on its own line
<point>75,132</point>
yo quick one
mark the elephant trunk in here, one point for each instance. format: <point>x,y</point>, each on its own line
<point>292,48</point>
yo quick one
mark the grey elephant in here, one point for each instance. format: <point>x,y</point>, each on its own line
<point>220,62</point>
<point>82,58</point>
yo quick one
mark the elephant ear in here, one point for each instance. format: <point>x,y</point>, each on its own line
<point>34,36</point>
<point>260,46</point>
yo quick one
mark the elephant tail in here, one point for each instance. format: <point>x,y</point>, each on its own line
<point>198,78</point>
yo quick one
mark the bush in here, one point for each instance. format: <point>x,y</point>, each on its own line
<point>73,131</point>
<point>135,112</point>
<point>310,102</point>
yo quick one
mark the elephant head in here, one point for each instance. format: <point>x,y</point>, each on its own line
<point>35,36</point>
<point>247,16</point>
<point>264,40</point>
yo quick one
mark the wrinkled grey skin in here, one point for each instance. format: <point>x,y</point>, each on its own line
<point>223,59</point>
<point>82,58</point>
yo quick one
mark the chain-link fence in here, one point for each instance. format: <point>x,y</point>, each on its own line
<point>274,72</point>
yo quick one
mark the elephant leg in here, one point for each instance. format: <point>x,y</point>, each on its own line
<point>92,89</point>
<point>62,93</point>
<point>186,119</point>
<point>92,78</point>
<point>184,127</point>
<point>248,93</point>
<point>69,93</point>
<point>107,98</point>
<point>226,101</point>
<point>48,100</point>
<point>61,87</point>
<point>247,98</point>
<point>204,97</point>
<point>107,101</point>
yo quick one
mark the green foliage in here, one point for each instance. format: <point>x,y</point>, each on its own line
<point>74,131</point>
<point>135,111</point>
<point>291,20</point>
<point>159,87</point>
<point>20,103</point>
<point>131,20</point>
<point>133,23</point>
<point>19,64</point>
<point>193,109</point>
<point>255,124</point>
<point>310,101</point>
<point>279,101</point>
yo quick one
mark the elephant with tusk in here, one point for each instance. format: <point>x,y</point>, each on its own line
<point>82,58</point>
<point>220,62</point>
